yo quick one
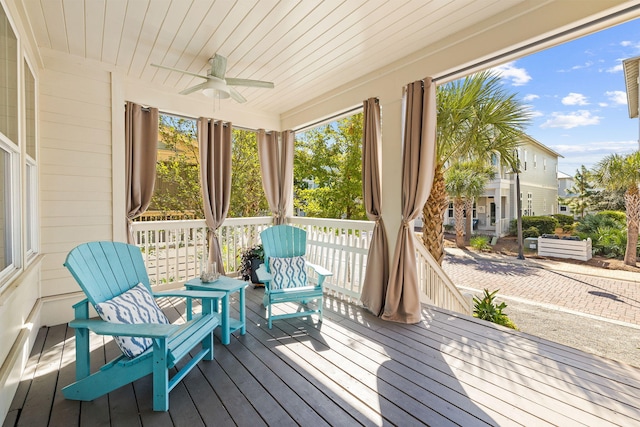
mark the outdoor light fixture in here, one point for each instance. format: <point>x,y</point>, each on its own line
<point>216,88</point>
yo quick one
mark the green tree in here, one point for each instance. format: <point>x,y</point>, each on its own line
<point>477,118</point>
<point>580,195</point>
<point>247,195</point>
<point>465,181</point>
<point>177,186</point>
<point>178,171</point>
<point>328,170</point>
<point>616,172</point>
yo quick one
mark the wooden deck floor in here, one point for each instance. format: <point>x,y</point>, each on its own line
<point>353,369</point>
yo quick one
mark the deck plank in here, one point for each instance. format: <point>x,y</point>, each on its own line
<point>351,369</point>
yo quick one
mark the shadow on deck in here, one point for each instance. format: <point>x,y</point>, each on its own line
<point>351,369</point>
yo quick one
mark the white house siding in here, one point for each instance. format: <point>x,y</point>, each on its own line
<point>76,181</point>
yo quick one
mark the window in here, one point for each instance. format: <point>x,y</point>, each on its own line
<point>563,208</point>
<point>450,210</point>
<point>9,150</point>
<point>31,166</point>
<point>544,164</point>
<point>9,80</point>
<point>529,204</point>
<point>525,159</point>
<point>535,161</point>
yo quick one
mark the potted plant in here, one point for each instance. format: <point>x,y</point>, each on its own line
<point>250,260</point>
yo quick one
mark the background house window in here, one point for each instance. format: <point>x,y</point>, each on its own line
<point>535,161</point>
<point>544,164</point>
<point>450,210</point>
<point>529,204</point>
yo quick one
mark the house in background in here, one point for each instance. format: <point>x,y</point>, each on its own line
<point>68,67</point>
<point>565,182</point>
<point>497,207</point>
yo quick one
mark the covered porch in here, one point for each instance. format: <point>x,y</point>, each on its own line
<point>352,369</point>
<point>77,63</point>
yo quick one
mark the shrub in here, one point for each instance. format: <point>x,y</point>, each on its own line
<point>544,224</point>
<point>563,220</point>
<point>589,225</point>
<point>530,232</point>
<point>619,216</point>
<point>480,243</point>
<point>486,309</point>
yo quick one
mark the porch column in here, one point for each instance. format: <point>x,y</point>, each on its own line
<point>391,172</point>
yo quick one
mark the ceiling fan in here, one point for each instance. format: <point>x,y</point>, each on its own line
<point>216,84</point>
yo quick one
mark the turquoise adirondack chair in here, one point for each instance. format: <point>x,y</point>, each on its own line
<point>284,272</point>
<point>114,278</point>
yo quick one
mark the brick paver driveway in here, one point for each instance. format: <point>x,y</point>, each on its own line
<point>598,296</point>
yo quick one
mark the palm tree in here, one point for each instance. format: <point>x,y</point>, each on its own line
<point>464,182</point>
<point>477,118</point>
<point>616,172</point>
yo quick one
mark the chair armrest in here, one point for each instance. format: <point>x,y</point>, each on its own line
<point>263,275</point>
<point>189,294</point>
<point>147,330</point>
<point>320,270</point>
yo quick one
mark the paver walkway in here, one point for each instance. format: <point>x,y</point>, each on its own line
<point>604,297</point>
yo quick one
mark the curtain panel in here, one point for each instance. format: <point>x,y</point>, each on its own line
<point>376,274</point>
<point>276,166</point>
<point>214,140</point>
<point>402,303</point>
<point>141,153</point>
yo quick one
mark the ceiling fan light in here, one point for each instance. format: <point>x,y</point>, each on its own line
<point>216,88</point>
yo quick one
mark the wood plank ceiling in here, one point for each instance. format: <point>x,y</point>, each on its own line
<point>305,47</point>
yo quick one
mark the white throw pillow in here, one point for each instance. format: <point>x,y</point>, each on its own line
<point>134,306</point>
<point>288,272</point>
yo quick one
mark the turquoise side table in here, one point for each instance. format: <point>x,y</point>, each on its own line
<point>228,286</point>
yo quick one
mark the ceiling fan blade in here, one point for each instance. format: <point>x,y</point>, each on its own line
<point>195,88</point>
<point>179,71</point>
<point>237,96</point>
<point>250,83</point>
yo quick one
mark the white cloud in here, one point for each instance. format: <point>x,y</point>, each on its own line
<point>509,71</point>
<point>602,104</point>
<point>590,153</point>
<point>615,69</point>
<point>625,43</point>
<point>617,96</point>
<point>585,65</point>
<point>530,97</point>
<point>571,120</point>
<point>575,99</point>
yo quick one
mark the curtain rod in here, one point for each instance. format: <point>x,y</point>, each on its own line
<point>180,116</point>
<point>328,119</point>
<point>531,45</point>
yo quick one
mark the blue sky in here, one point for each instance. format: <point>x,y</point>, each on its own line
<point>577,94</point>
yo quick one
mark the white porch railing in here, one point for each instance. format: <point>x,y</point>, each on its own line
<point>340,246</point>
<point>175,250</point>
<point>436,286</point>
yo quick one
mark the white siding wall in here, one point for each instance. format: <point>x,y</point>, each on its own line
<point>76,182</point>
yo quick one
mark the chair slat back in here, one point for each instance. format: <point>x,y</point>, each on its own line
<point>106,269</point>
<point>283,241</point>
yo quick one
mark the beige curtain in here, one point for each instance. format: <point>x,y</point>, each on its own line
<point>377,273</point>
<point>402,302</point>
<point>214,140</point>
<point>141,152</point>
<point>276,165</point>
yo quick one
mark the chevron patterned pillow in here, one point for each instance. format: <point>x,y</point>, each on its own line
<point>288,272</point>
<point>136,305</point>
